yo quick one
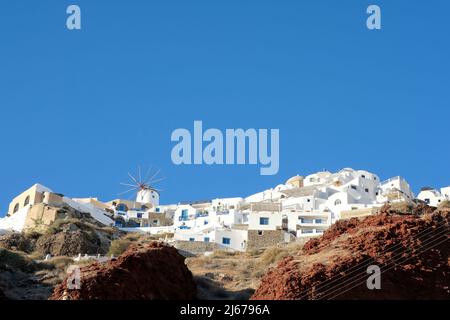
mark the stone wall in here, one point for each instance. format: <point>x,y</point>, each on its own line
<point>266,238</point>
<point>195,247</point>
<point>40,216</point>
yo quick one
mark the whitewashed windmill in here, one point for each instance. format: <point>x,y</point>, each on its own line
<point>146,193</point>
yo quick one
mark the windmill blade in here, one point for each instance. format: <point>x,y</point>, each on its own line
<point>147,173</point>
<point>153,176</point>
<point>133,178</point>
<point>140,178</point>
<point>129,185</point>
<point>126,191</point>
<point>158,180</point>
<point>131,196</point>
<point>160,190</point>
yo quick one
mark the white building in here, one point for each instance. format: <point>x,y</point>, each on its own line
<point>395,190</point>
<point>434,197</point>
<point>225,238</point>
<point>345,190</point>
<point>308,224</point>
<point>303,207</point>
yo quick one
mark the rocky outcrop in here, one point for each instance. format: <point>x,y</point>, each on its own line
<point>24,242</point>
<point>70,243</point>
<point>154,271</point>
<point>65,237</point>
<point>411,249</point>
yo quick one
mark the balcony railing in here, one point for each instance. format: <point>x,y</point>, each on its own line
<point>392,179</point>
<point>312,223</point>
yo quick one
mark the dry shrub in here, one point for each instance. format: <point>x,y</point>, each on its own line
<point>272,255</point>
<point>223,254</point>
<point>119,246</point>
<point>61,262</point>
<point>444,204</point>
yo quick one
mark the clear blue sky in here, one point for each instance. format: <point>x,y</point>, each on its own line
<point>79,109</point>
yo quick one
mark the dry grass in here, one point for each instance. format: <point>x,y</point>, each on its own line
<point>84,262</point>
<point>272,255</point>
<point>146,238</point>
<point>444,204</point>
<point>119,246</point>
<point>60,263</point>
<point>235,275</point>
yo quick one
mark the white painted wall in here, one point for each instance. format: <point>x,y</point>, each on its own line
<point>432,197</point>
<point>445,192</point>
<point>275,220</point>
<point>238,238</point>
<point>16,221</point>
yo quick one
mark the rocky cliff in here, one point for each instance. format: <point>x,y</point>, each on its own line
<point>412,250</point>
<point>154,271</point>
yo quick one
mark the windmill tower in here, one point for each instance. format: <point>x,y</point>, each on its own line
<point>146,193</point>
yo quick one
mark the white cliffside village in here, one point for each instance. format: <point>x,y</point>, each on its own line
<point>301,208</point>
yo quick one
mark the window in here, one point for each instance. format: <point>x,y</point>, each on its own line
<point>260,232</point>
<point>206,239</point>
<point>184,215</point>
<point>366,189</point>
<point>155,222</point>
<point>318,220</point>
<point>427,200</point>
<point>363,176</point>
<point>27,201</point>
<point>309,200</point>
<point>353,187</point>
<point>16,208</point>
<point>226,241</point>
<point>157,210</point>
<point>337,202</point>
<point>205,222</point>
<point>191,239</point>
<point>139,215</point>
<point>264,221</point>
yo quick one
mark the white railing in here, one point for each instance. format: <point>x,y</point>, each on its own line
<point>151,230</point>
<point>391,179</point>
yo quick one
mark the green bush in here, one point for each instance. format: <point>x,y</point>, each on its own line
<point>16,261</point>
<point>119,246</point>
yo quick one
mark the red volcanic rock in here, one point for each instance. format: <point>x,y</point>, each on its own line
<point>412,251</point>
<point>155,271</point>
